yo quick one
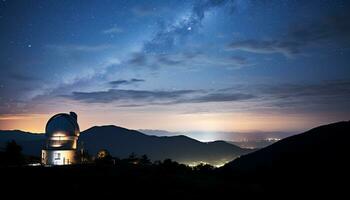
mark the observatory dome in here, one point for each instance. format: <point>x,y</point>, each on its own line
<point>62,124</point>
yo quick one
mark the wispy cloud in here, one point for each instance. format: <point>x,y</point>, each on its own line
<point>18,76</point>
<point>113,30</point>
<point>266,47</point>
<point>187,60</point>
<point>335,89</point>
<point>118,83</point>
<point>240,60</point>
<point>138,58</point>
<point>148,97</point>
<point>80,48</point>
<point>114,95</point>
<point>331,28</point>
<point>300,97</point>
<point>220,97</point>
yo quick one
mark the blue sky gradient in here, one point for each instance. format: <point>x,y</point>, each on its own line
<point>210,65</point>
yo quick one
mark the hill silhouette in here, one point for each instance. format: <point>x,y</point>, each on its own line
<point>31,143</point>
<point>314,162</point>
<point>121,142</point>
<point>317,159</point>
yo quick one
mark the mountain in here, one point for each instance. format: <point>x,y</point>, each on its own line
<point>121,142</point>
<point>317,159</point>
<point>31,143</point>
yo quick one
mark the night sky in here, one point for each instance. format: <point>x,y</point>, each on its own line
<point>206,66</point>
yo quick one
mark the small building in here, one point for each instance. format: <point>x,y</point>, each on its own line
<point>62,132</point>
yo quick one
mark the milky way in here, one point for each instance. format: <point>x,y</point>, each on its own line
<point>210,65</point>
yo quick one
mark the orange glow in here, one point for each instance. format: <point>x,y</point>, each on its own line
<point>242,122</point>
<point>34,123</point>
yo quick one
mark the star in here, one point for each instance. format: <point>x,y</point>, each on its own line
<point>189,28</point>
<point>29,46</point>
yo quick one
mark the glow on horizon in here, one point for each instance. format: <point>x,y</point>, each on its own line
<point>213,122</point>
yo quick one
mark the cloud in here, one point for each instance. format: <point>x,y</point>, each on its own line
<point>79,48</point>
<point>118,83</point>
<point>336,89</point>
<point>332,27</point>
<point>200,7</point>
<point>114,95</point>
<point>23,77</point>
<point>186,60</point>
<point>138,58</point>
<point>266,47</point>
<point>328,97</point>
<point>334,30</point>
<point>221,97</point>
<point>168,60</point>
<point>113,30</point>
<point>239,61</point>
<point>133,98</point>
<point>304,97</point>
<point>155,61</point>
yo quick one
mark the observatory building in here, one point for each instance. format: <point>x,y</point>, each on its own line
<point>62,132</point>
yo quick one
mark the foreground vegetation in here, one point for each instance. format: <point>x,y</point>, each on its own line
<point>105,175</point>
<point>291,173</point>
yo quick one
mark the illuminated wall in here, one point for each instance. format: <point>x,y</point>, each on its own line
<point>59,157</point>
<point>61,140</point>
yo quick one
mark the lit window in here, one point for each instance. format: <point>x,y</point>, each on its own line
<point>57,156</point>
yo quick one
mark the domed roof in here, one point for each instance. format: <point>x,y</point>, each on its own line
<point>64,124</point>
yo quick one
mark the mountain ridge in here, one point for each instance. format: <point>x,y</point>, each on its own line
<point>312,162</point>
<point>121,142</point>
<point>306,146</point>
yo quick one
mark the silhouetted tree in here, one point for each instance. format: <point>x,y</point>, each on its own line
<point>157,162</point>
<point>132,159</point>
<point>132,156</point>
<point>204,168</point>
<point>13,154</point>
<point>144,160</point>
<point>169,165</point>
<point>83,156</point>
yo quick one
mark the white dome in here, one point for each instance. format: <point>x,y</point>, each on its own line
<point>62,124</point>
